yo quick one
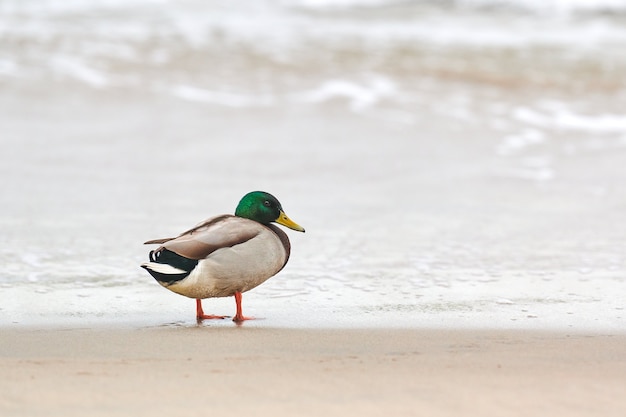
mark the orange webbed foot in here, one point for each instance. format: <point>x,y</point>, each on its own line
<point>201,316</point>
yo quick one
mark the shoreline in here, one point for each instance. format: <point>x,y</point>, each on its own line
<point>276,371</point>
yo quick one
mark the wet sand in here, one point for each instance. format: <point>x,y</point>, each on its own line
<point>438,156</point>
<point>221,370</point>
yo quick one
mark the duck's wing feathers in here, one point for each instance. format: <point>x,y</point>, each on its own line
<point>155,241</point>
<point>199,226</point>
<point>212,234</point>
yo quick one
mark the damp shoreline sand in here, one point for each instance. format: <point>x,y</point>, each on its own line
<point>267,371</point>
<point>456,166</point>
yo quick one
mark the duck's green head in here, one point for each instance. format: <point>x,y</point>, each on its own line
<point>264,208</point>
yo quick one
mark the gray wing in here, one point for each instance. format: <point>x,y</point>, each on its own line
<point>212,234</point>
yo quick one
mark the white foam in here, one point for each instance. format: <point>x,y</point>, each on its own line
<point>603,123</point>
<point>504,301</point>
<point>339,4</point>
<point>538,6</point>
<point>277,25</point>
<point>76,69</point>
<point>227,99</point>
<point>54,7</point>
<point>561,118</point>
<point>360,96</point>
<point>551,7</point>
<point>519,141</point>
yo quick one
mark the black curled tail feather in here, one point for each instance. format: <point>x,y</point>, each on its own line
<point>167,257</point>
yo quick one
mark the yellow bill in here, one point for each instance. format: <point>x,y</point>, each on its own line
<point>287,222</point>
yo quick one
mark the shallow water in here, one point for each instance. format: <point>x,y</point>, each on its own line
<point>459,165</point>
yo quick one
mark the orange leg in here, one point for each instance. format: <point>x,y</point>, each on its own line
<point>200,314</point>
<point>239,317</point>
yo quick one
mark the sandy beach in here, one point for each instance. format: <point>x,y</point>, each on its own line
<point>458,167</point>
<point>204,370</point>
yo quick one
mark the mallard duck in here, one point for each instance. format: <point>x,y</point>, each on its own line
<point>225,255</point>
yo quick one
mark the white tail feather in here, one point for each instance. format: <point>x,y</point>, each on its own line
<point>163,268</point>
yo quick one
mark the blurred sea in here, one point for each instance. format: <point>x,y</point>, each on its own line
<point>455,163</point>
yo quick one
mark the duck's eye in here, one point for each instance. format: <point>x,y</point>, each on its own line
<point>267,203</point>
